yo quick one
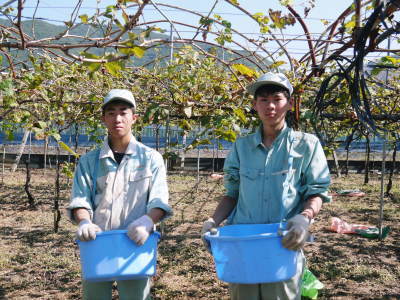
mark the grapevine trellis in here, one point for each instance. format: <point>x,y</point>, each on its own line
<point>367,113</point>
<point>370,110</point>
<point>198,81</point>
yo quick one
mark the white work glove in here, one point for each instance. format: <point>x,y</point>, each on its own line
<point>297,232</point>
<point>208,226</point>
<point>140,229</point>
<point>87,230</point>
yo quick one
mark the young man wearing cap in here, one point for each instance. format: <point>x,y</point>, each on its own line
<point>130,190</point>
<point>257,170</point>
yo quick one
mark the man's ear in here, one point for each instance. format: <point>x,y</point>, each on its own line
<point>253,103</point>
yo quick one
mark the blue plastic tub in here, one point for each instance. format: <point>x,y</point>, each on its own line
<point>251,253</point>
<point>114,256</point>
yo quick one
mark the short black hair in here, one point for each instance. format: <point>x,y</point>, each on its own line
<point>270,89</point>
<point>117,102</point>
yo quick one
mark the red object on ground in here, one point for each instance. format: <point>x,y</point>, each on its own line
<point>340,226</point>
<point>216,176</point>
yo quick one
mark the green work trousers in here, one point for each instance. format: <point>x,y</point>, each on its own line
<point>138,289</point>
<point>284,290</point>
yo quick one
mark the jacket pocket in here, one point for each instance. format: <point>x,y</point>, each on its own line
<point>139,175</point>
<point>139,184</point>
<point>251,182</point>
<point>249,173</point>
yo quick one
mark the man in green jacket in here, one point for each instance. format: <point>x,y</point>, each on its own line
<point>255,171</point>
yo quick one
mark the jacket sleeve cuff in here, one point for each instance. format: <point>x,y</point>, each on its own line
<point>161,205</point>
<point>78,203</point>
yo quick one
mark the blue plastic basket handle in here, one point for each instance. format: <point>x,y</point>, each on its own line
<point>208,236</point>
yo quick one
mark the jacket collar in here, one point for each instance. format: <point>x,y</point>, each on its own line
<point>106,151</point>
<point>258,140</point>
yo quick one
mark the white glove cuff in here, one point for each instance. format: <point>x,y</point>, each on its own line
<point>145,221</point>
<point>211,221</point>
<point>307,219</point>
<point>208,225</point>
<point>84,222</point>
<point>299,220</point>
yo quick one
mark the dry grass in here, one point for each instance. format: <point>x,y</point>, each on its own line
<point>36,263</point>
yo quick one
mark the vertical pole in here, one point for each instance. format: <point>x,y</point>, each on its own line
<point>48,142</point>
<point>296,122</point>
<point>336,161</point>
<point>70,145</point>
<point>56,208</point>
<point>20,151</point>
<point>167,142</point>
<point>171,39</point>
<point>383,166</point>
<point>4,158</point>
<point>157,137</point>
<point>76,137</point>
<point>387,70</point>
<point>30,146</point>
<point>213,153</point>
<point>382,183</point>
<point>183,151</point>
<point>198,162</point>
<point>45,155</point>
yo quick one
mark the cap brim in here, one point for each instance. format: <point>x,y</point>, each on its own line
<point>252,88</point>
<point>117,99</point>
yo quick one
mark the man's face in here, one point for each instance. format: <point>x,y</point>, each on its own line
<point>119,119</point>
<point>272,107</point>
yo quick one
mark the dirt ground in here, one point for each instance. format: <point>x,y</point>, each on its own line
<point>37,263</point>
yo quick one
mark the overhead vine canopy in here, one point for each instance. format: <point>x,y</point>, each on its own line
<point>117,35</point>
<point>373,88</point>
<point>122,27</point>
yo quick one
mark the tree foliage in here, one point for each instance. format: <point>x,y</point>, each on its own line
<point>202,84</point>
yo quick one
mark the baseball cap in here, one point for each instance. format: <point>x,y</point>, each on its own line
<point>273,79</point>
<point>121,95</point>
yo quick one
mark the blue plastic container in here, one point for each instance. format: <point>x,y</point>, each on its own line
<point>114,256</point>
<point>251,253</point>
